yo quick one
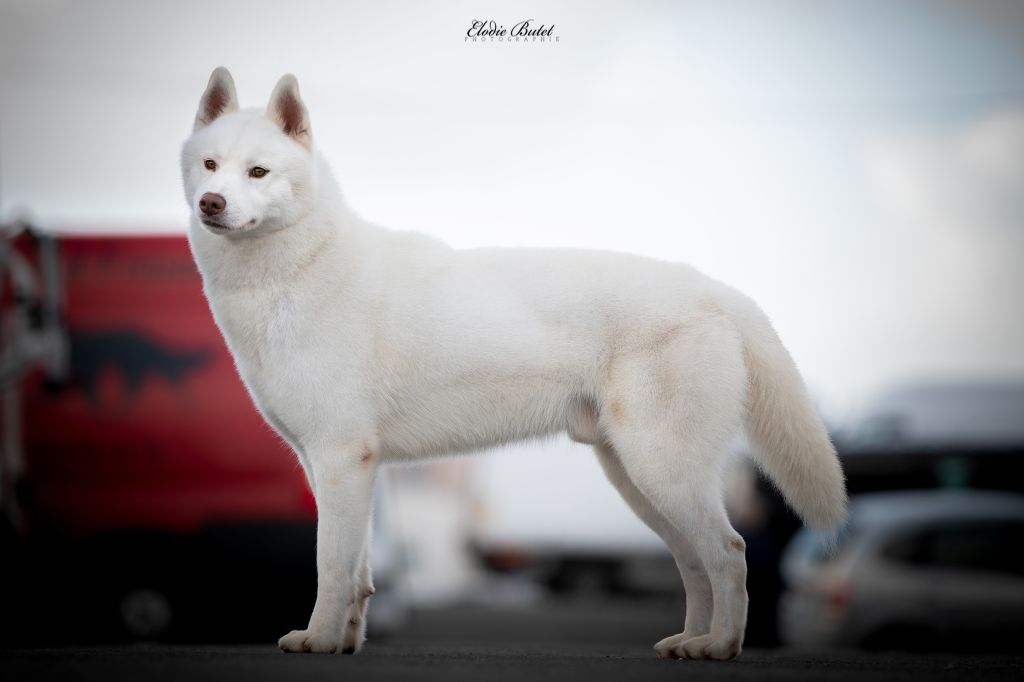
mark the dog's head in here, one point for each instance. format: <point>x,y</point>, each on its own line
<point>251,171</point>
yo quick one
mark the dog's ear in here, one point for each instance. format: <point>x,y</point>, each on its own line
<point>288,112</point>
<point>219,98</point>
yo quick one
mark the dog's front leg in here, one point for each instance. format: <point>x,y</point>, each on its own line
<point>344,491</point>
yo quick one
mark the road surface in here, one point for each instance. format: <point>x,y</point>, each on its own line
<point>556,641</point>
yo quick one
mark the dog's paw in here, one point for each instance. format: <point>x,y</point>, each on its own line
<point>666,648</point>
<point>700,648</point>
<point>305,641</point>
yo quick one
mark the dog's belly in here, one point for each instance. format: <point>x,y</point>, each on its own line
<point>458,419</point>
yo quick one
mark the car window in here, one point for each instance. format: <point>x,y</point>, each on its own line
<point>990,545</point>
<point>904,549</point>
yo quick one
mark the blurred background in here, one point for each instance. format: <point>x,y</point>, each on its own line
<point>858,168</point>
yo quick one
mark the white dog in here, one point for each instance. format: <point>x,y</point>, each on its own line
<point>362,345</point>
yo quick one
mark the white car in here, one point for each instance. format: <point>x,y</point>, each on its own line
<point>924,569</point>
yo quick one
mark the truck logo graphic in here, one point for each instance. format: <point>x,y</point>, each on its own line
<point>138,358</point>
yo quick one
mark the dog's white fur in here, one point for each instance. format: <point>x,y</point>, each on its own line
<point>361,346</point>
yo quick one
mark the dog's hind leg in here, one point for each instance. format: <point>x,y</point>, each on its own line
<point>670,412</point>
<point>692,501</point>
<point>699,602</point>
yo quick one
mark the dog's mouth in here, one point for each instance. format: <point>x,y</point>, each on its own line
<point>221,228</point>
<point>218,227</point>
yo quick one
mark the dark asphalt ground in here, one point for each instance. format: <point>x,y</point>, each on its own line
<point>562,641</point>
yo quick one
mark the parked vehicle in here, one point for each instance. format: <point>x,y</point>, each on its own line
<point>938,569</point>
<point>594,544</point>
<point>140,485</point>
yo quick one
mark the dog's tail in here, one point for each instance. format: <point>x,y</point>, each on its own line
<point>788,438</point>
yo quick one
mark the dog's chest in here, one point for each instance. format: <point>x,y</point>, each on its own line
<point>269,337</point>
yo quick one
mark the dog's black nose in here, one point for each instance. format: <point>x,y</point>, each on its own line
<point>212,204</point>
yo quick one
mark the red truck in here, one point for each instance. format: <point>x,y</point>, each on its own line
<point>139,481</point>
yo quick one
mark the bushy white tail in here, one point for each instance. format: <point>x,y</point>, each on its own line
<point>788,438</point>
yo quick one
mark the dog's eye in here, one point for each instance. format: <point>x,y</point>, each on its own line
<point>210,164</point>
<point>257,172</point>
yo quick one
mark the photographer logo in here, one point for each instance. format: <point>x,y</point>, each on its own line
<point>527,31</point>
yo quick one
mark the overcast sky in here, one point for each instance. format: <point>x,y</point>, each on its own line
<point>857,169</point>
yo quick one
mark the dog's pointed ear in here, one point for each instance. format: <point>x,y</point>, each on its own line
<point>219,98</point>
<point>288,112</point>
